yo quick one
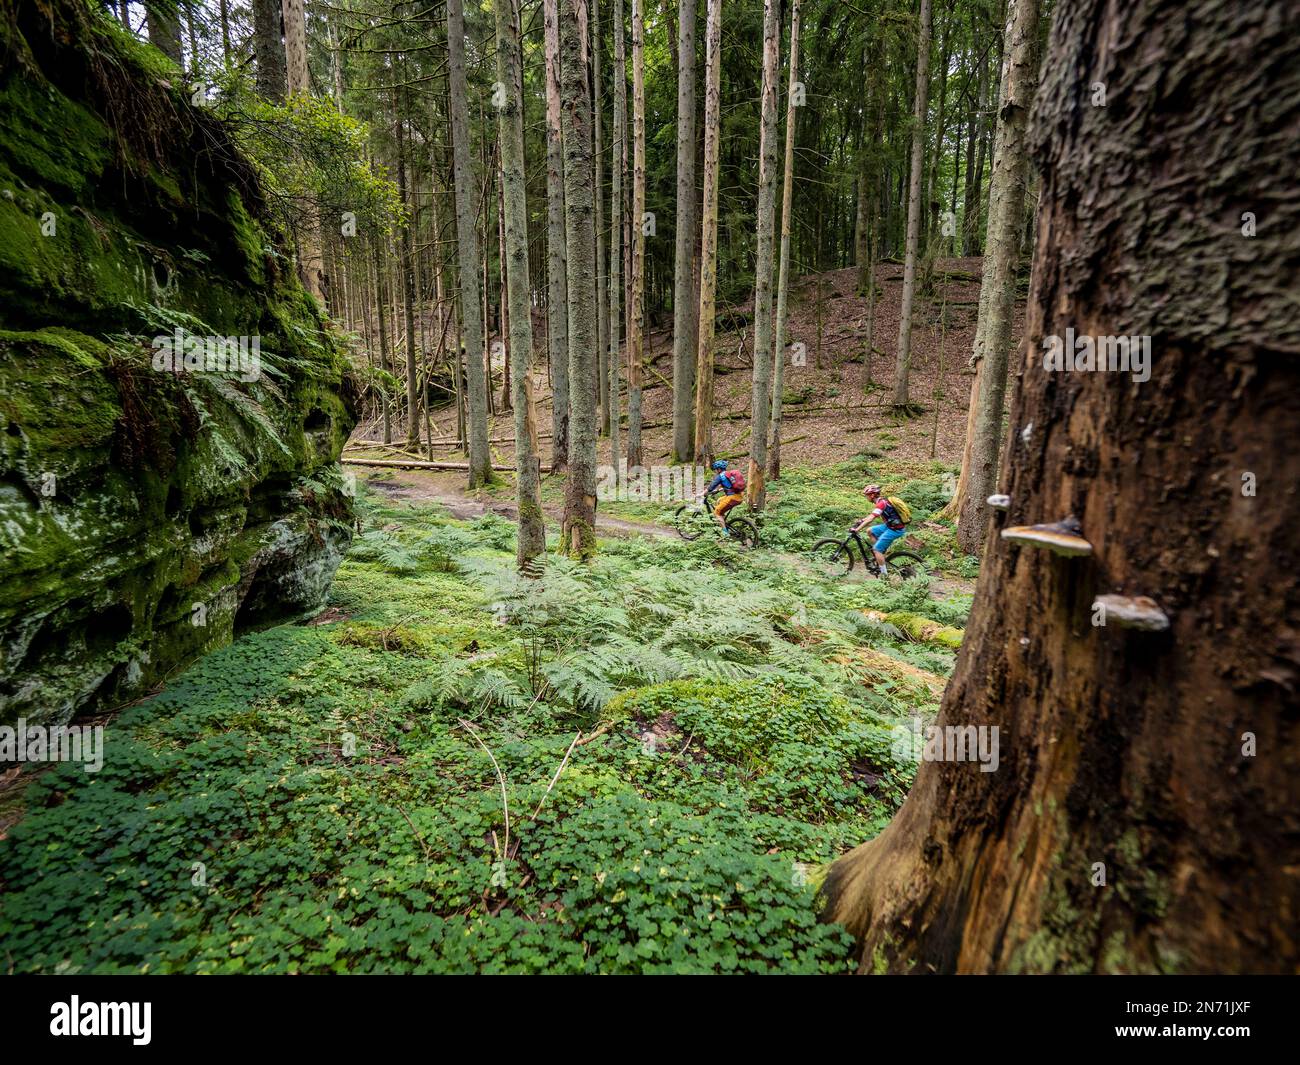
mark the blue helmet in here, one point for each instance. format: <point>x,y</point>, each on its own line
<point>719,465</point>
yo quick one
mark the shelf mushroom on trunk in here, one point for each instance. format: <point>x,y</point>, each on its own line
<point>1063,537</point>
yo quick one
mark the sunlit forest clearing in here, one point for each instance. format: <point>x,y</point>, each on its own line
<point>598,487</point>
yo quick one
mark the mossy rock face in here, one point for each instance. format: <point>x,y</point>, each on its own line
<point>149,512</point>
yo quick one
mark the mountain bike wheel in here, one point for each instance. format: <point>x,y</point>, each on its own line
<point>903,565</point>
<point>833,557</point>
<point>689,521</point>
<point>743,531</point>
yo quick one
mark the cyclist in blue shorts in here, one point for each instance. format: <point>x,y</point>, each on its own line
<point>892,523</point>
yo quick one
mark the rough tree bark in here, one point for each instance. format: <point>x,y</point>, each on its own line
<point>408,295</point>
<point>531,540</point>
<point>480,458</point>
<point>381,305</point>
<point>163,22</point>
<point>783,275</point>
<point>616,234</point>
<point>579,529</point>
<point>272,79</point>
<point>636,341</point>
<point>760,413</point>
<point>1001,254</point>
<point>557,288</point>
<point>1169,757</point>
<point>708,237</point>
<point>902,366</point>
<point>683,284</point>
<point>598,159</point>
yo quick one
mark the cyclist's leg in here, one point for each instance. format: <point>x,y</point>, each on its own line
<point>881,538</point>
<point>724,505</point>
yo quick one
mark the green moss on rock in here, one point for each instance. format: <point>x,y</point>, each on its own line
<point>147,515</point>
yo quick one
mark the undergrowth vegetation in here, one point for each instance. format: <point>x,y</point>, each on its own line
<point>638,765</point>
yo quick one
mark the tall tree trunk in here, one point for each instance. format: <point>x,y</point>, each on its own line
<point>164,25</point>
<point>708,237</point>
<point>902,367</point>
<point>531,540</point>
<point>295,45</point>
<point>480,459</point>
<point>579,530</point>
<point>1001,255</point>
<point>311,263</point>
<point>975,186</point>
<point>683,285</point>
<point>1142,817</point>
<point>756,490</point>
<point>783,277</point>
<point>272,78</point>
<point>408,295</point>
<point>381,301</point>
<point>602,264</point>
<point>872,175</point>
<point>616,234</point>
<point>636,341</point>
<point>557,291</point>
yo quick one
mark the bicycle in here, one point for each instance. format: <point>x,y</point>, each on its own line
<point>694,518</point>
<point>835,558</point>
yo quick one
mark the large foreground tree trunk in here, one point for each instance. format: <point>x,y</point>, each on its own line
<point>1001,253</point>
<point>1163,761</point>
<point>579,530</point>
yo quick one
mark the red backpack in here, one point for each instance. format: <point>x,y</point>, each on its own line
<point>736,479</point>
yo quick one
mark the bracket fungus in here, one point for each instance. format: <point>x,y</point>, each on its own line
<point>1131,612</point>
<point>999,502</point>
<point>1062,537</point>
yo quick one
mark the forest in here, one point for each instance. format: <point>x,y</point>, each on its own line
<point>648,487</point>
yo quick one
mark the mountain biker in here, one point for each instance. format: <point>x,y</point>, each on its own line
<point>892,526</point>
<point>732,485</point>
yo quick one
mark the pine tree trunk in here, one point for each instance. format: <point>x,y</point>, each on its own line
<point>1001,255</point>
<point>636,341</point>
<point>903,365</point>
<point>708,237</point>
<point>783,276</point>
<point>756,489</point>
<point>683,286</point>
<point>557,292</point>
<point>1142,817</point>
<point>310,259</point>
<point>504,295</point>
<point>531,540</point>
<point>602,262</point>
<point>616,236</point>
<point>164,25</point>
<point>579,530</point>
<point>380,306</point>
<point>272,80</point>
<point>408,299</point>
<point>480,459</point>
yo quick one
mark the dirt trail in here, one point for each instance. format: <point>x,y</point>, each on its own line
<point>447,488</point>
